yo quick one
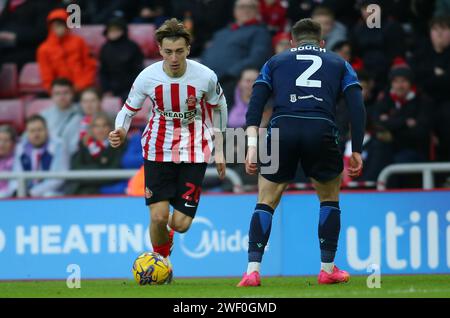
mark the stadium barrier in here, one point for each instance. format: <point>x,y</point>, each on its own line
<point>426,169</point>
<point>402,232</point>
<point>22,177</point>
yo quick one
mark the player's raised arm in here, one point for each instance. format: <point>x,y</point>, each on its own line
<point>132,105</point>
<point>262,90</point>
<point>357,112</point>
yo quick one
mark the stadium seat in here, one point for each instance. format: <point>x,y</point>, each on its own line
<point>144,36</point>
<point>30,79</point>
<point>112,104</point>
<point>8,81</point>
<point>38,105</point>
<point>12,113</point>
<point>93,35</point>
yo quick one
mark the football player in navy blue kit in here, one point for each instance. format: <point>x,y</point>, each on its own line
<point>305,82</point>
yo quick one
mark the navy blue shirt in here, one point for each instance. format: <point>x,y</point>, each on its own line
<point>307,81</point>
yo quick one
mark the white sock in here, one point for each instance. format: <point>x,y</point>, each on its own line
<point>253,267</point>
<point>327,267</point>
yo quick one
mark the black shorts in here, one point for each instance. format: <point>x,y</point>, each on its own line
<point>178,183</point>
<point>311,142</point>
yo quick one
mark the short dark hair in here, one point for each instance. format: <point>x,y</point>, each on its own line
<point>322,10</point>
<point>307,29</point>
<point>340,44</point>
<point>61,81</point>
<point>102,115</point>
<point>34,118</point>
<point>8,129</point>
<point>173,29</point>
<point>92,90</point>
<point>250,68</point>
<point>442,21</point>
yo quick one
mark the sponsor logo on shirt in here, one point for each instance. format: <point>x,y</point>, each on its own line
<point>189,115</point>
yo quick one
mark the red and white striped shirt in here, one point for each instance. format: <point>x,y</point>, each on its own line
<point>180,128</point>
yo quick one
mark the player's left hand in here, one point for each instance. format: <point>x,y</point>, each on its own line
<point>221,170</point>
<point>251,166</point>
<point>356,165</point>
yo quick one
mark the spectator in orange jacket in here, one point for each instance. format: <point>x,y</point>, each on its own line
<point>64,54</point>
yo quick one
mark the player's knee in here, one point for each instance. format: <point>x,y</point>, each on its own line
<point>182,227</point>
<point>160,219</point>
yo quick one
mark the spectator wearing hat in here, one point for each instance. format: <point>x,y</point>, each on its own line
<point>402,120</point>
<point>121,60</point>
<point>65,55</point>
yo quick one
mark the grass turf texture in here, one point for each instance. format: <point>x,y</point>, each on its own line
<point>273,287</point>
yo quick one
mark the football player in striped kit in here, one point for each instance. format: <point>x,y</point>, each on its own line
<point>188,110</point>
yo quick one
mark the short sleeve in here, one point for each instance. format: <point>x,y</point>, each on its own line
<point>215,91</point>
<point>137,95</point>
<point>350,77</point>
<point>265,75</point>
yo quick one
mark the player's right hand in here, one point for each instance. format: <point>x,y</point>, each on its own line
<point>117,137</point>
<point>251,166</point>
<point>356,165</point>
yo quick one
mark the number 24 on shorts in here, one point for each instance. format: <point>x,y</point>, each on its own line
<point>193,193</point>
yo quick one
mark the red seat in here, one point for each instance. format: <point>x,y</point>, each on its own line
<point>37,106</point>
<point>30,79</point>
<point>12,113</point>
<point>8,81</point>
<point>112,105</point>
<point>144,36</point>
<point>93,35</point>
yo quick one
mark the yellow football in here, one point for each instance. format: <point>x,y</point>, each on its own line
<point>151,268</point>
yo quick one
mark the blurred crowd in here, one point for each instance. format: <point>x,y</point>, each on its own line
<point>403,66</point>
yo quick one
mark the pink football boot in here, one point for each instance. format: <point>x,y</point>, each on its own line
<point>337,276</point>
<point>252,280</point>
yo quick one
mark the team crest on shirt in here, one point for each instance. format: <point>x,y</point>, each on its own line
<point>293,98</point>
<point>218,88</point>
<point>191,101</point>
<point>148,193</point>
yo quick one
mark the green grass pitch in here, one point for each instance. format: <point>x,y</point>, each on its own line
<point>272,287</point>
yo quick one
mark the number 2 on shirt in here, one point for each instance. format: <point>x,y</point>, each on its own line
<point>304,79</point>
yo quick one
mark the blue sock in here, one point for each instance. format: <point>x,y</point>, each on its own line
<point>259,233</point>
<point>329,228</point>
